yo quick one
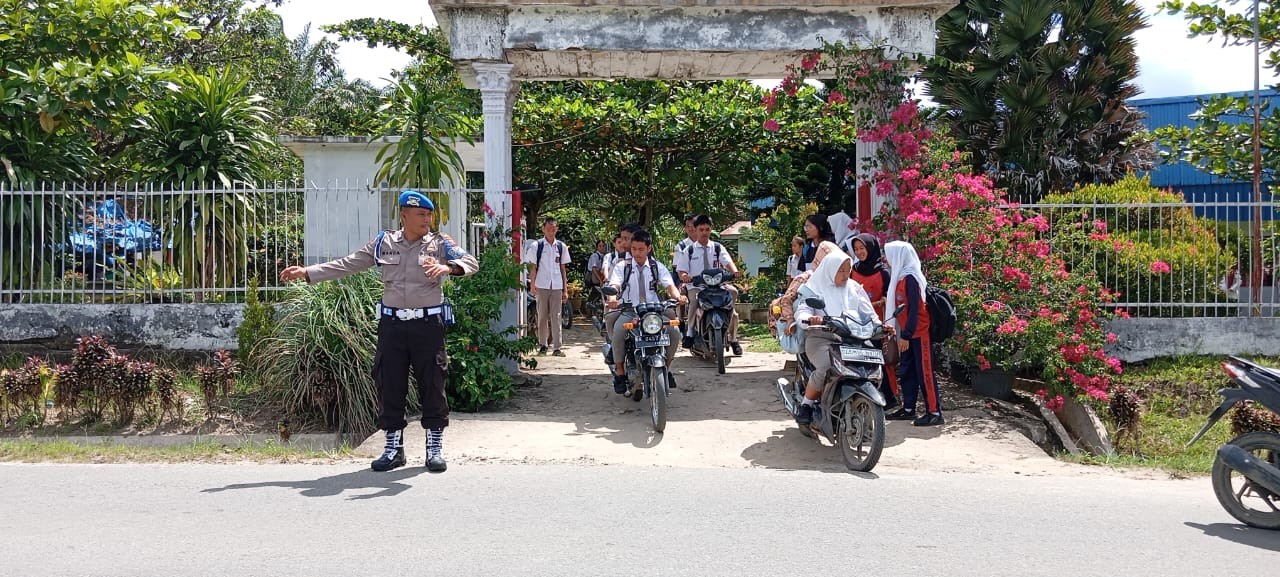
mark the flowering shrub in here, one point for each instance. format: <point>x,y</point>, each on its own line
<point>475,378</point>
<point>1020,307</point>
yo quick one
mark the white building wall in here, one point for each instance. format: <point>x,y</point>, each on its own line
<point>341,211</point>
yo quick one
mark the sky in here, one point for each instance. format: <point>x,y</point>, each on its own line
<point>1170,63</point>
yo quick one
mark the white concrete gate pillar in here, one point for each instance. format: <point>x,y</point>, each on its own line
<point>497,95</point>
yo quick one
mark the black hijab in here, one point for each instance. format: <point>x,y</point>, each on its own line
<point>873,262</point>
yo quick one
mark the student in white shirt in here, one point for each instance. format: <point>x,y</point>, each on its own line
<point>701,255</point>
<point>793,261</point>
<point>549,259</point>
<point>639,280</point>
<point>621,254</point>
<point>595,273</point>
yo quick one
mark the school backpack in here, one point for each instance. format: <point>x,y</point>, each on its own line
<point>653,277</point>
<point>942,313</point>
<point>542,242</point>
<point>715,250</point>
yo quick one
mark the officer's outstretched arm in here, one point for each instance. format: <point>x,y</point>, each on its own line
<point>360,260</point>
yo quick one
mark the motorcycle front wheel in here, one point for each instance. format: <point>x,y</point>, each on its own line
<point>566,315</point>
<point>658,400</point>
<point>860,434</point>
<point>1251,504</point>
<point>717,344</point>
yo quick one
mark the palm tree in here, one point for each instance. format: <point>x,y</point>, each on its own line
<point>1035,90</point>
<point>428,121</point>
<point>207,132</point>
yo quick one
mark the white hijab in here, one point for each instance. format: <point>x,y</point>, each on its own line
<point>903,261</point>
<point>839,299</point>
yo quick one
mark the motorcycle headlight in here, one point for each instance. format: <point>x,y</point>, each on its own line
<point>651,324</point>
<point>713,279</point>
<point>860,328</point>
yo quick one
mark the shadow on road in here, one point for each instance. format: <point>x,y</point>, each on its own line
<point>332,486</point>
<point>1243,534</point>
<point>788,450</point>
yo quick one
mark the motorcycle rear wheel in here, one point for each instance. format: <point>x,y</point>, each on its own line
<point>566,315</point>
<point>860,434</point>
<point>1250,504</point>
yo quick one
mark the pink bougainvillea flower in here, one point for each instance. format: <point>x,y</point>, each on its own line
<point>772,125</point>
<point>1160,267</point>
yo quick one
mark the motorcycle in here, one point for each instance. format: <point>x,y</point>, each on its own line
<point>645,355</point>
<point>594,306</point>
<point>850,412</point>
<point>531,313</point>
<point>1254,497</point>
<point>715,310</point>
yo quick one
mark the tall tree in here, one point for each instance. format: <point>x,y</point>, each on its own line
<point>641,150</point>
<point>71,72</point>
<point>1035,90</point>
<point>1221,143</point>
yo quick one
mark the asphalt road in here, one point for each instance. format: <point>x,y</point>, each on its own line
<point>565,520</point>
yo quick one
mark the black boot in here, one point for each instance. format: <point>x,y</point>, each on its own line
<point>686,342</point>
<point>392,454</point>
<point>620,384</point>
<point>737,348</point>
<point>804,416</point>
<point>435,451</point>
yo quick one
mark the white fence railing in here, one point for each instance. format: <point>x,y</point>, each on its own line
<point>1182,259</point>
<point>140,243</point>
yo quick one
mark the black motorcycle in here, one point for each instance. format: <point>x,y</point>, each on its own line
<point>715,310</point>
<point>593,308</point>
<point>850,412</point>
<point>1246,470</point>
<point>645,355</point>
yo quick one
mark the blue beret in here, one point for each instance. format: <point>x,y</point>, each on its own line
<point>416,199</point>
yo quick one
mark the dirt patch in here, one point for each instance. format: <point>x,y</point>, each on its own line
<point>568,412</point>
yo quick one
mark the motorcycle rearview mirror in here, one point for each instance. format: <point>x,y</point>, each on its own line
<point>815,303</point>
<point>608,291</point>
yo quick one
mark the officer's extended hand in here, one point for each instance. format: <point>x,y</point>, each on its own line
<point>293,273</point>
<point>684,300</point>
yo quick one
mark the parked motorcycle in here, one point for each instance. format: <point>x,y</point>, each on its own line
<point>711,325</point>
<point>531,313</point>
<point>594,309</point>
<point>1246,470</point>
<point>850,412</point>
<point>645,355</point>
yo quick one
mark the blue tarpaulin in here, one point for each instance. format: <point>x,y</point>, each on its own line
<point>109,229</point>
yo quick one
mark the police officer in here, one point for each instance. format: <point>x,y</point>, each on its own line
<point>414,261</point>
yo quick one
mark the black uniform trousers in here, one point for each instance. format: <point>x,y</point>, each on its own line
<point>401,344</point>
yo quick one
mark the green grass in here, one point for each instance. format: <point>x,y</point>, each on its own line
<point>67,452</point>
<point>758,337</point>
<point>1177,394</point>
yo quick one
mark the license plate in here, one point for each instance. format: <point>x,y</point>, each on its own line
<point>861,355</point>
<point>661,340</point>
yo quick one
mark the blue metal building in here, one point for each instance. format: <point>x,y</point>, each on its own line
<point>1195,185</point>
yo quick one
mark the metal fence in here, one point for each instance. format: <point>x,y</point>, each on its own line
<point>144,243</point>
<point>1189,258</point>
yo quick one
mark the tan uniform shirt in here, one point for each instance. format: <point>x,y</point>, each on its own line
<point>404,284</point>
